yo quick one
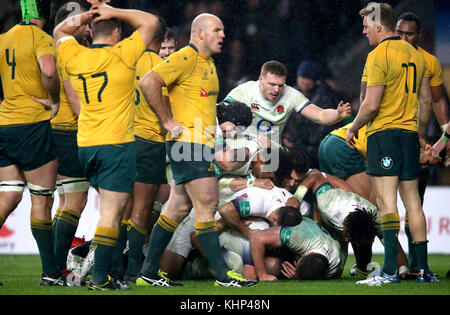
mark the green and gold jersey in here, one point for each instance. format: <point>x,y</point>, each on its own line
<point>396,65</point>
<point>146,124</point>
<point>104,79</point>
<point>193,87</point>
<point>434,66</point>
<point>20,49</point>
<point>360,140</point>
<point>66,117</point>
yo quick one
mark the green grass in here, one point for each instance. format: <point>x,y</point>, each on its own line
<point>20,276</point>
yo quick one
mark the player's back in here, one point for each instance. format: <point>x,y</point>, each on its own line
<point>103,78</point>
<point>396,65</point>
<point>20,49</point>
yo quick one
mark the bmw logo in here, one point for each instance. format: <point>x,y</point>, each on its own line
<point>386,162</point>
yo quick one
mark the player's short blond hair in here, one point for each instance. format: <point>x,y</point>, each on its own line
<point>274,67</point>
<point>387,15</point>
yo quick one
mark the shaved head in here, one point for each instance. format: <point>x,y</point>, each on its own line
<point>202,21</point>
<point>207,34</point>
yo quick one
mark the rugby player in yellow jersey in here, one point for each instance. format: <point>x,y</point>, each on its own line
<point>103,76</point>
<point>191,78</point>
<point>150,159</point>
<point>397,78</point>
<point>29,74</point>
<point>72,185</point>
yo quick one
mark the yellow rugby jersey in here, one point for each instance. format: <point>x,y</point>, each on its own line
<point>398,66</point>
<point>20,49</point>
<point>103,78</point>
<point>146,124</point>
<point>193,87</point>
<point>66,117</point>
<point>360,141</point>
<point>434,66</point>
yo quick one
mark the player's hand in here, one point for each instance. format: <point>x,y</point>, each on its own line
<point>344,110</point>
<point>288,270</point>
<point>267,277</point>
<point>104,11</point>
<point>174,128</point>
<point>48,104</point>
<point>264,183</point>
<point>349,138</point>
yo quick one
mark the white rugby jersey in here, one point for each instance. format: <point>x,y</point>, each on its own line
<point>267,114</point>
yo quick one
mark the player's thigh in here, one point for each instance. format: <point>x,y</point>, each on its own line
<point>409,193</point>
<point>12,185</point>
<point>112,206</point>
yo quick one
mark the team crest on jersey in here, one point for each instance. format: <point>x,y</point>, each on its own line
<point>280,109</point>
<point>386,162</point>
<point>203,93</point>
<point>254,107</point>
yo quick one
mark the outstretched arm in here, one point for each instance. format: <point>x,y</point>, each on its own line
<point>327,117</point>
<point>258,242</point>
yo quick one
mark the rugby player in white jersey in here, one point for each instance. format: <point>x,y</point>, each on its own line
<point>272,102</point>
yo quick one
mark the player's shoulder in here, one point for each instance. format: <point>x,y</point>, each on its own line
<point>242,91</point>
<point>429,58</point>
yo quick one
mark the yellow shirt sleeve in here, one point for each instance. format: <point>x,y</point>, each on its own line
<point>176,68</point>
<point>376,69</point>
<point>130,49</point>
<point>44,46</point>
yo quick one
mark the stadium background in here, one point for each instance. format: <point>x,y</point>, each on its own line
<point>290,31</point>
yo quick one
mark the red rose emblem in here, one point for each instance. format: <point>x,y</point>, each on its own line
<point>280,109</point>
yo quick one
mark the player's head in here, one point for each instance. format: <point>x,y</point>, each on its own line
<point>36,9</point>
<point>288,216</point>
<point>272,79</point>
<point>110,29</point>
<point>70,9</point>
<point>292,169</point>
<point>312,267</point>
<point>232,116</point>
<point>207,33</point>
<point>409,27</point>
<point>378,19</point>
<point>360,227</point>
<point>169,45</point>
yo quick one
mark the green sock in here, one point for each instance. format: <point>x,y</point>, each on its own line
<point>421,249</point>
<point>117,258</point>
<point>43,234</point>
<point>104,242</point>
<point>136,239</point>
<point>412,259</point>
<point>65,227</point>
<point>55,218</point>
<point>390,226</point>
<point>209,240</point>
<point>159,239</point>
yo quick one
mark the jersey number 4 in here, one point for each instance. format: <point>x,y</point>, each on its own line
<point>413,65</point>
<point>99,94</point>
<point>12,63</point>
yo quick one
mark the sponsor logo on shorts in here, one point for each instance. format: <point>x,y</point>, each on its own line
<point>386,162</point>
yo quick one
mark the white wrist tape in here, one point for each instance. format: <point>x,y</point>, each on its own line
<point>300,192</point>
<point>253,147</point>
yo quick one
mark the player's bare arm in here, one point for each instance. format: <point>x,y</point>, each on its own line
<point>50,80</point>
<point>424,110</point>
<point>70,26</point>
<point>366,113</point>
<point>258,242</point>
<point>329,116</point>
<point>232,218</point>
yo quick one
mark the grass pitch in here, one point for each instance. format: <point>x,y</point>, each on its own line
<point>20,276</point>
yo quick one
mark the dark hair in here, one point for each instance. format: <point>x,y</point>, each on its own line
<point>236,112</point>
<point>361,226</point>
<point>387,16</point>
<point>289,161</point>
<point>105,27</point>
<point>170,34</point>
<point>161,30</point>
<point>411,17</point>
<point>289,216</point>
<point>274,67</point>
<point>313,267</point>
